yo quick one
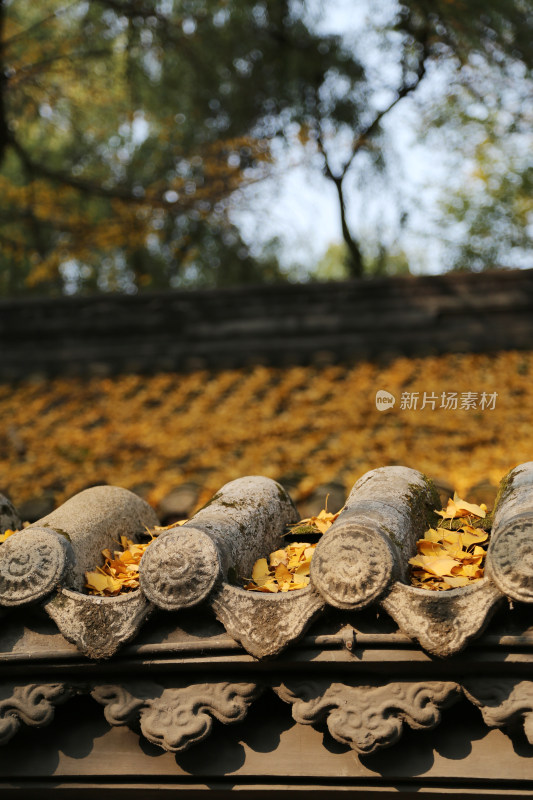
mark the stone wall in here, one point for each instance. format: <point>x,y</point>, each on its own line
<point>277,325</point>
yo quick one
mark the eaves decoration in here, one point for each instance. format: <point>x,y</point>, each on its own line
<point>360,563</point>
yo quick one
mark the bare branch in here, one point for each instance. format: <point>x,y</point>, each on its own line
<point>355,258</point>
<point>404,90</point>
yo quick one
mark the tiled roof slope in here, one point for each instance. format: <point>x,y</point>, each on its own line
<point>302,426</point>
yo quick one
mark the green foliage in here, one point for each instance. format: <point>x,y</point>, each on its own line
<point>494,208</point>
<point>379,261</point>
<point>499,30</point>
<point>484,216</point>
<point>128,128</point>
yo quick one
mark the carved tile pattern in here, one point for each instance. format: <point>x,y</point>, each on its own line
<point>351,566</point>
<point>33,704</point>
<point>368,718</point>
<point>354,564</point>
<point>31,564</point>
<point>510,559</point>
<point>266,624</point>
<point>179,569</point>
<point>98,626</point>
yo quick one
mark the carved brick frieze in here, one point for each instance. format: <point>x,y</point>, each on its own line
<point>175,717</point>
<point>31,704</point>
<point>503,702</point>
<point>368,718</point>
<point>364,716</point>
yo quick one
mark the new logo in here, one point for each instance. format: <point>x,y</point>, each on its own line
<point>384,400</point>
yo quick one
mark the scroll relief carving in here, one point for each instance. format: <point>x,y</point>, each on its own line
<point>368,718</point>
<point>362,573</point>
<point>176,718</point>
<point>179,569</point>
<point>172,717</point>
<point>33,705</point>
<point>503,702</point>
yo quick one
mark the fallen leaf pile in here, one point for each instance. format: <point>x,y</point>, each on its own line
<point>285,570</point>
<point>450,558</point>
<point>6,534</point>
<point>288,569</point>
<point>120,572</point>
<point>303,426</point>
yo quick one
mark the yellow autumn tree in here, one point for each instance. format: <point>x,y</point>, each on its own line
<point>100,185</point>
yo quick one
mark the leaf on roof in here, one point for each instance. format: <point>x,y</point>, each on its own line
<point>6,534</point>
<point>460,508</point>
<point>451,559</point>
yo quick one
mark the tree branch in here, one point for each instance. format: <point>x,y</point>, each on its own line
<point>355,259</point>
<point>37,66</point>
<point>404,90</point>
<point>39,23</point>
<point>4,131</point>
<point>36,168</point>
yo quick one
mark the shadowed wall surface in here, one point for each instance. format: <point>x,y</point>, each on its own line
<point>276,325</point>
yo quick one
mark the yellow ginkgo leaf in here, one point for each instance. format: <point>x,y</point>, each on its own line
<point>471,535</point>
<point>433,535</point>
<point>282,574</point>
<point>260,571</point>
<point>456,581</point>
<point>429,548</point>
<point>460,508</point>
<point>101,584</point>
<point>6,534</point>
<point>468,509</point>
<point>270,586</point>
<point>435,566</point>
<point>299,582</point>
<point>278,557</point>
<point>451,537</point>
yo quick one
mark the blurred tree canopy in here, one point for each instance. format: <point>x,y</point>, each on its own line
<point>128,126</point>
